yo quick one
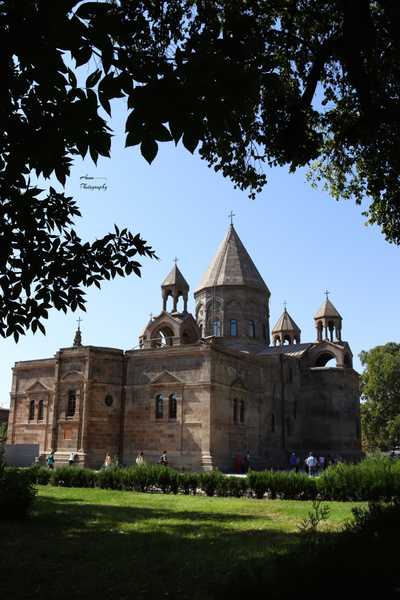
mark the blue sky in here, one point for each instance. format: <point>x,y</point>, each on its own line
<point>302,241</point>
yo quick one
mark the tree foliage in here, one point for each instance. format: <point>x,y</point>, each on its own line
<point>380,395</point>
<point>47,120</point>
<point>280,82</point>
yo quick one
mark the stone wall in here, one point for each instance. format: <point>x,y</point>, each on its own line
<point>331,409</point>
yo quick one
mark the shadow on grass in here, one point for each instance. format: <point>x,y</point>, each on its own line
<point>70,550</point>
<point>135,513</point>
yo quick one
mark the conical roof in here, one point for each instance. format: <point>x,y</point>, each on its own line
<point>286,323</point>
<point>231,265</point>
<point>175,278</point>
<point>327,310</point>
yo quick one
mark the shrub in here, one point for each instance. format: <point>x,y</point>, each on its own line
<point>40,474</point>
<point>184,483</point>
<point>17,493</point>
<point>194,482</point>
<point>363,557</point>
<point>111,479</point>
<point>166,479</point>
<point>222,485</point>
<point>209,481</point>
<point>237,486</point>
<point>189,482</point>
<point>258,483</point>
<point>142,477</point>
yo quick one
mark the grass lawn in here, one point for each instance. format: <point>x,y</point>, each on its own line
<point>87,543</point>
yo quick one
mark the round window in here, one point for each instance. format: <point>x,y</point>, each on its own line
<point>109,401</point>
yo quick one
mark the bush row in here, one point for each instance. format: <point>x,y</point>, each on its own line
<point>370,480</point>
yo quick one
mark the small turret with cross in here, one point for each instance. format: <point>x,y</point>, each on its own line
<point>78,335</point>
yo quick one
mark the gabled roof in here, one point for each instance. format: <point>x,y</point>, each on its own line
<point>231,265</point>
<point>286,323</point>
<point>175,278</point>
<point>327,310</point>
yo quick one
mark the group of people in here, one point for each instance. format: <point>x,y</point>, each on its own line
<point>243,462</point>
<point>139,459</point>
<point>50,460</point>
<point>312,463</point>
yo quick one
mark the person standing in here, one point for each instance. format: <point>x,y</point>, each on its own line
<point>293,461</point>
<point>107,461</point>
<point>312,463</point>
<point>247,461</point>
<point>50,461</point>
<point>139,458</point>
<point>239,460</point>
<point>321,462</point>
<point>163,459</point>
<point>72,458</point>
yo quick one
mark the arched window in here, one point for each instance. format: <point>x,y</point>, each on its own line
<point>215,327</point>
<point>71,403</point>
<point>41,411</point>
<point>201,330</point>
<point>252,329</point>
<point>172,406</point>
<point>32,410</point>
<point>235,410</point>
<point>233,327</point>
<point>160,407</point>
<point>273,423</point>
<point>242,411</point>
<point>294,409</point>
<point>264,332</point>
<point>319,331</point>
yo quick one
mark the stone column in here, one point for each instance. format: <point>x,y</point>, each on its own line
<point>85,406</point>
<point>54,399</point>
<point>85,415</point>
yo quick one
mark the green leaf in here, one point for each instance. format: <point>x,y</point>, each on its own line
<point>93,78</point>
<point>149,149</point>
<point>190,140</point>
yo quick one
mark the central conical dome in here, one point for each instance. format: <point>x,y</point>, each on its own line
<point>231,265</point>
<point>232,300</point>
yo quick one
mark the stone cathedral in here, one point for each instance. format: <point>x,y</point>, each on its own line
<point>202,386</point>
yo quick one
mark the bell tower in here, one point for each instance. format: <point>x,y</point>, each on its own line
<point>176,286</point>
<point>285,330</point>
<point>329,321</point>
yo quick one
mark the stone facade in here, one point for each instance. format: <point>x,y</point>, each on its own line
<point>202,387</point>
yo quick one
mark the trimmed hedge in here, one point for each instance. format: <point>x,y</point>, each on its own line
<point>371,480</point>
